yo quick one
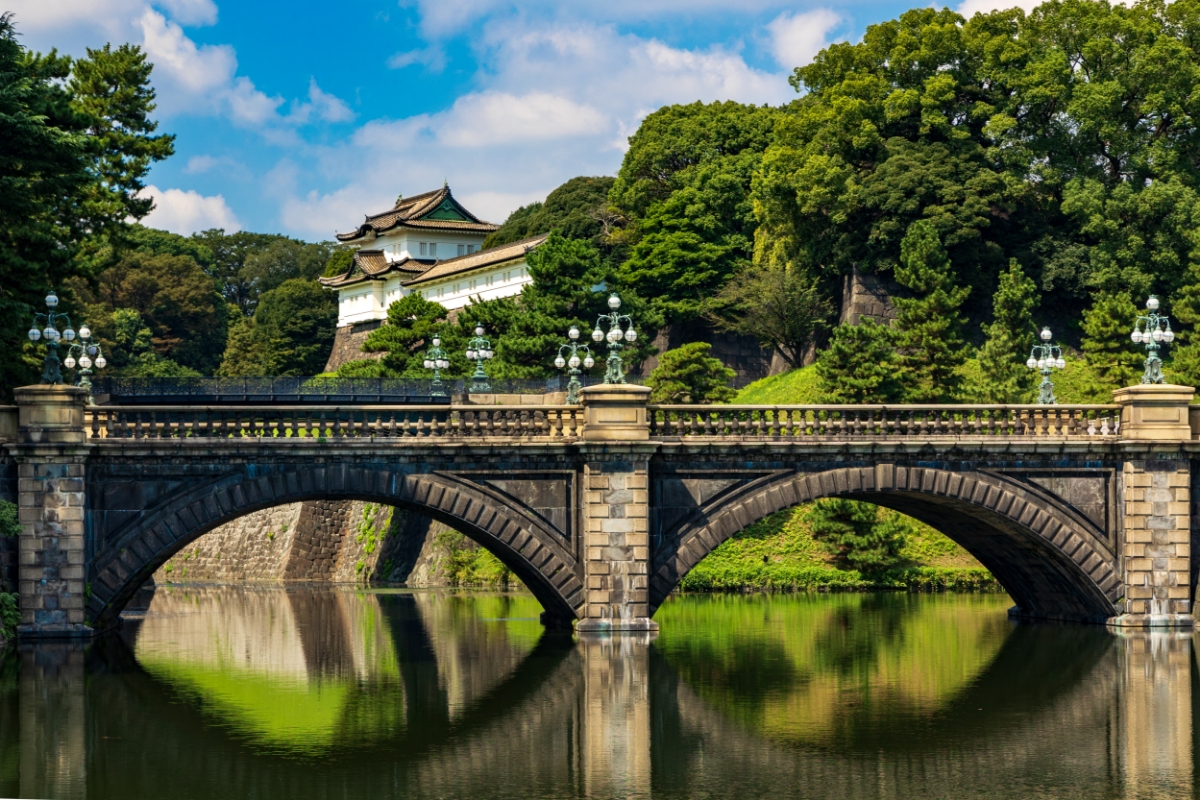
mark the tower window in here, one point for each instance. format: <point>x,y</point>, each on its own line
<point>462,249</point>
<point>424,248</point>
<point>433,249</point>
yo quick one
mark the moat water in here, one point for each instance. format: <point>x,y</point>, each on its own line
<point>236,692</point>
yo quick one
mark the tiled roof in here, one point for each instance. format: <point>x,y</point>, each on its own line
<point>373,264</point>
<point>477,260</point>
<point>410,210</point>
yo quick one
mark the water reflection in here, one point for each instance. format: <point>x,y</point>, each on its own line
<point>226,692</point>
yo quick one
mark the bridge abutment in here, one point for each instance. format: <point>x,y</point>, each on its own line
<point>51,454</point>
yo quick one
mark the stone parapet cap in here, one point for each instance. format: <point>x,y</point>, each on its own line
<point>1155,412</point>
<point>615,412</point>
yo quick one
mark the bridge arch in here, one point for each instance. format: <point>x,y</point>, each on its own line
<point>1054,562</point>
<point>537,554</point>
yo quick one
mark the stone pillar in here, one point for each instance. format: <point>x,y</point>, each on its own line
<point>616,721</point>
<point>53,720</point>
<point>51,454</point>
<point>1155,545</point>
<point>616,510</point>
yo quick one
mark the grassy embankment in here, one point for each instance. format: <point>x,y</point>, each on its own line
<point>781,553</point>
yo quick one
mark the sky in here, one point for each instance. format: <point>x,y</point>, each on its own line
<point>300,117</point>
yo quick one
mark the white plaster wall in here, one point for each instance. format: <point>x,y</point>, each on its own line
<point>369,301</point>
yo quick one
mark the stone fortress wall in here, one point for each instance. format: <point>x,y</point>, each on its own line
<point>327,541</point>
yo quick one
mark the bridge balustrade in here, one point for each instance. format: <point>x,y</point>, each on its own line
<point>873,421</point>
<point>333,422</point>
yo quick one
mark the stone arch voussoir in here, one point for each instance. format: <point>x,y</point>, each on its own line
<point>538,555</point>
<point>1053,562</point>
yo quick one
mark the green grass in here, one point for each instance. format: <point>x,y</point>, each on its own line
<point>797,387</point>
<point>780,553</point>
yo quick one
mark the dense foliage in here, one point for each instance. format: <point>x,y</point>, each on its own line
<point>76,139</point>
<point>689,374</point>
<point>576,210</point>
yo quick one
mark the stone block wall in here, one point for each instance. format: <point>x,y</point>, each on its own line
<point>617,546</point>
<point>347,344</point>
<point>1157,544</point>
<point>867,295</point>
<point>336,541</point>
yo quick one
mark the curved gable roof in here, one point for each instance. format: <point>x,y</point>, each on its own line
<point>436,209</point>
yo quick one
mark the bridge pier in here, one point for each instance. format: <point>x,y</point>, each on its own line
<point>616,510</point>
<point>51,454</point>
<point>1156,546</point>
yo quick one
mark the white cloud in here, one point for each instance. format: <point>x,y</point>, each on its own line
<point>433,58</point>
<point>185,212</point>
<point>191,12</point>
<point>491,118</point>
<point>194,70</point>
<point>797,38</point>
<point>321,105</point>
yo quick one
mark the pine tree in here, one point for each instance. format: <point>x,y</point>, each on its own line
<point>1184,367</point>
<point>853,529</point>
<point>859,366</point>
<point>930,324</point>
<point>1106,345</point>
<point>688,374</point>
<point>412,322</point>
<point>1010,338</point>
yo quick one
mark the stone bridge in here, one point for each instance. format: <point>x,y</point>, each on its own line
<point>1081,512</point>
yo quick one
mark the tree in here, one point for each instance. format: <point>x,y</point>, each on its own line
<point>683,188</point>
<point>860,365</point>
<point>856,534</point>
<point>412,322</point>
<point>781,306</point>
<point>245,351</point>
<point>283,259</point>
<point>229,254</point>
<point>74,145</point>
<point>295,324</point>
<point>1010,338</point>
<point>688,374</point>
<point>572,210</point>
<point>339,261</point>
<point>1106,346</point>
<point>929,326</point>
<point>130,350</point>
<point>172,295</point>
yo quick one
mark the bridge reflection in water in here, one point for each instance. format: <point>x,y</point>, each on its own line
<point>310,693</point>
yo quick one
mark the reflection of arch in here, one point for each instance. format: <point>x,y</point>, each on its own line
<point>1042,677</point>
<point>536,554</point>
<point>1053,561</point>
<point>512,733</point>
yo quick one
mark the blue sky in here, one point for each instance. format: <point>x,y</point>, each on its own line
<point>300,117</point>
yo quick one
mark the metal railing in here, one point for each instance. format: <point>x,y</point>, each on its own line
<point>875,421</point>
<point>296,390</point>
<point>323,423</point>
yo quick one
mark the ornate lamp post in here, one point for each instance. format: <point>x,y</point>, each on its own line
<point>1152,329</point>
<point>615,372</point>
<point>571,361</point>
<point>89,353</point>
<point>51,366</point>
<point>479,350</point>
<point>437,360</point>
<point>1046,357</point>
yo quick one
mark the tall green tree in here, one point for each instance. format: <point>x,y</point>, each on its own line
<point>230,252</point>
<point>683,191</point>
<point>783,307</point>
<point>75,141</point>
<point>295,323</point>
<point>929,325</point>
<point>860,365</point>
<point>283,259</point>
<point>1115,360</point>
<point>574,210</point>
<point>1010,339</point>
